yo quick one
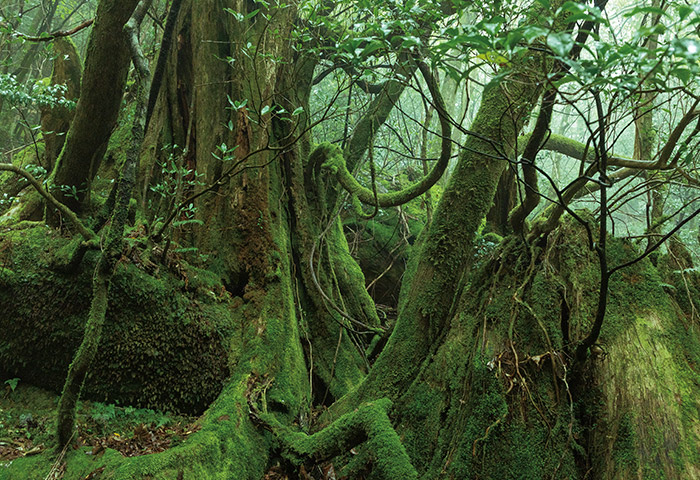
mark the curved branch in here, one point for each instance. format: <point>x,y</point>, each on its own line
<point>666,151</point>
<point>601,246</point>
<point>377,113</point>
<point>87,234</point>
<point>532,194</point>
<point>365,86</point>
<point>336,162</point>
<point>576,149</point>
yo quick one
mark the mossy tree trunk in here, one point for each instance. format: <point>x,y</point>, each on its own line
<point>104,77</point>
<point>55,121</point>
<point>261,231</point>
<point>111,250</point>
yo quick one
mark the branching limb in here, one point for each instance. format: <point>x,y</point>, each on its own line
<point>532,194</point>
<point>58,34</point>
<point>575,149</point>
<point>87,234</point>
<point>339,164</point>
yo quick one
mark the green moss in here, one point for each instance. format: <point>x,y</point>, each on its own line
<point>625,446</point>
<point>7,276</point>
<point>161,348</point>
<point>497,442</point>
<point>369,424</point>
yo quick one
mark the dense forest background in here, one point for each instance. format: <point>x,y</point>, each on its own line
<point>378,239</point>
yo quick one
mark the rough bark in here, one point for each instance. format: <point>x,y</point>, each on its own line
<point>106,66</point>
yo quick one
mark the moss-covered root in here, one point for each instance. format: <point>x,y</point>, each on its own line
<point>370,424</point>
<point>83,358</point>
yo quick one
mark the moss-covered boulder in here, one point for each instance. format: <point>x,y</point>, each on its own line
<point>163,341</point>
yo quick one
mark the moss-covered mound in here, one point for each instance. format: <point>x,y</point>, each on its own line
<point>163,344</point>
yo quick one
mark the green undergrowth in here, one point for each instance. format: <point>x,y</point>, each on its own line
<point>27,426</point>
<point>224,444</point>
<point>164,341</point>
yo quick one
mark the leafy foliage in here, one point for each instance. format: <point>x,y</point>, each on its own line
<point>41,93</point>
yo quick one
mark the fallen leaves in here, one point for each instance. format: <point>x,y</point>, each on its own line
<point>146,439</point>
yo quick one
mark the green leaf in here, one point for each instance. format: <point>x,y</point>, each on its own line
<point>643,10</point>
<point>298,111</point>
<point>565,79</point>
<point>586,17</point>
<point>252,14</point>
<point>12,383</point>
<point>371,47</point>
<point>192,221</point>
<point>682,74</point>
<point>238,16</point>
<point>495,82</point>
<point>480,42</point>
<point>264,110</point>
<point>513,38</point>
<point>410,41</point>
<point>530,33</point>
<point>684,11</point>
<point>561,43</point>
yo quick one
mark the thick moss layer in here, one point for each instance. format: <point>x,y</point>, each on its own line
<point>500,397</point>
<point>162,347</point>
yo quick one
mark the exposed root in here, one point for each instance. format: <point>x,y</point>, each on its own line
<point>486,433</point>
<point>369,425</point>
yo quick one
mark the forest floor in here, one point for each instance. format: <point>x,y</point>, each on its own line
<point>28,423</point>
<point>28,419</point>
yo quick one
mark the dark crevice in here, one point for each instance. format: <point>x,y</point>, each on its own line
<point>321,393</point>
<point>236,282</point>
<point>565,318</point>
<point>278,407</point>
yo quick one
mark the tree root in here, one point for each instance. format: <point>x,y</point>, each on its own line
<point>368,424</point>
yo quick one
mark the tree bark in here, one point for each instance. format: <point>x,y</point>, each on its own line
<point>104,77</point>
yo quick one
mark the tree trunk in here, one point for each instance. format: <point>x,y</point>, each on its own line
<point>56,121</point>
<point>104,77</point>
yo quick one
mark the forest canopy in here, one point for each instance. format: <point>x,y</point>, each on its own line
<point>375,239</point>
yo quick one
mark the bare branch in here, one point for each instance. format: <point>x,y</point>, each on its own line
<point>58,34</point>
